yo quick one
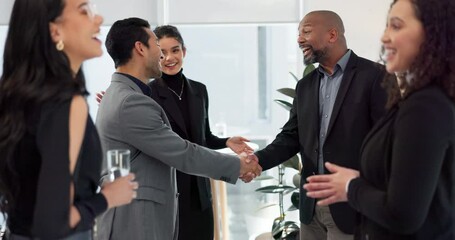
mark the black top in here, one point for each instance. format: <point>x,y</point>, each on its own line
<point>407,184</point>
<point>189,119</point>
<point>43,199</point>
<point>176,85</point>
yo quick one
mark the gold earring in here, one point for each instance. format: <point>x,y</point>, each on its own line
<point>60,45</point>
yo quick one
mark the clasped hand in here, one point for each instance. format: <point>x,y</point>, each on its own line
<point>249,167</point>
<point>249,176</point>
<point>330,188</point>
<point>249,164</point>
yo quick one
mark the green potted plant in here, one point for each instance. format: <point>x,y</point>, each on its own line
<point>282,229</point>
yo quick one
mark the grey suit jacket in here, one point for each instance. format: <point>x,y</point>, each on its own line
<point>128,119</point>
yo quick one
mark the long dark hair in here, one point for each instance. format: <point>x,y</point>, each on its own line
<point>34,72</point>
<point>435,63</point>
<point>170,32</point>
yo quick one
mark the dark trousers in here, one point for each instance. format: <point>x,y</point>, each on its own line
<point>201,226</point>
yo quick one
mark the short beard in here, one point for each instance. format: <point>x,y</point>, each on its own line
<point>316,57</point>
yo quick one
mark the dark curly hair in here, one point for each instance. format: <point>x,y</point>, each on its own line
<point>34,72</point>
<point>435,63</point>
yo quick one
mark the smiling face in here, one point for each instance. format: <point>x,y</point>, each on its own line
<point>173,53</point>
<point>313,39</point>
<point>78,27</point>
<point>402,38</point>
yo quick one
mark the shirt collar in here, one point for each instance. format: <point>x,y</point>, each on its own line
<point>341,64</point>
<point>144,87</point>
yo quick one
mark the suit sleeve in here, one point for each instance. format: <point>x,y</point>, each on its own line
<point>145,128</point>
<point>423,130</point>
<point>211,140</point>
<point>286,143</point>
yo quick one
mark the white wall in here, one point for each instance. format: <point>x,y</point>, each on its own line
<point>5,11</point>
<point>364,22</point>
<point>111,10</point>
<point>233,11</point>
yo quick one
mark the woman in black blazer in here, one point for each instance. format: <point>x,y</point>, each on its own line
<point>186,105</point>
<point>406,185</point>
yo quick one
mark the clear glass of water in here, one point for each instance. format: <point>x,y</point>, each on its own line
<point>118,163</point>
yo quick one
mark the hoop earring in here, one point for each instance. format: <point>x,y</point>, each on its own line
<point>60,45</point>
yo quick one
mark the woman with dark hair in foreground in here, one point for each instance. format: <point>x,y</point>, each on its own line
<point>50,153</point>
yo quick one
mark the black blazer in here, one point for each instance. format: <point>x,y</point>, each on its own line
<point>407,184</point>
<point>358,105</point>
<point>198,104</point>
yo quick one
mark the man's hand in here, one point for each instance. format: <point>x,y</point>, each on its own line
<point>99,96</point>
<point>238,145</point>
<point>250,175</point>
<point>249,167</point>
<point>121,191</point>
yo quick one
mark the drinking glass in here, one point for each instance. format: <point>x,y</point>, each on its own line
<point>118,163</point>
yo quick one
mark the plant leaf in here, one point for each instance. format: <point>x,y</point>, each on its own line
<point>295,198</point>
<point>294,76</point>
<point>308,69</point>
<point>293,162</point>
<point>266,206</point>
<point>276,189</point>
<point>284,228</point>
<point>284,104</point>
<point>291,208</point>
<point>290,92</point>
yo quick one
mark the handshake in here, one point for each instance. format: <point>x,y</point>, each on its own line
<point>249,167</point>
<point>249,163</point>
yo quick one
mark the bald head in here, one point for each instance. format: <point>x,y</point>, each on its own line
<point>321,38</point>
<point>326,19</point>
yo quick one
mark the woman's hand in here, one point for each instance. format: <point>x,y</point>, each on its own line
<point>330,188</point>
<point>238,145</point>
<point>121,191</point>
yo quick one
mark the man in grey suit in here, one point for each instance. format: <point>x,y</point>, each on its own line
<point>129,118</point>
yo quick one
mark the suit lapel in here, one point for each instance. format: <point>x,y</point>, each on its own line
<point>196,110</point>
<point>315,107</point>
<point>168,103</point>
<point>308,96</point>
<point>348,75</point>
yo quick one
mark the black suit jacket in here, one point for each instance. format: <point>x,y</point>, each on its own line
<point>359,103</point>
<point>198,104</point>
<point>407,184</point>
